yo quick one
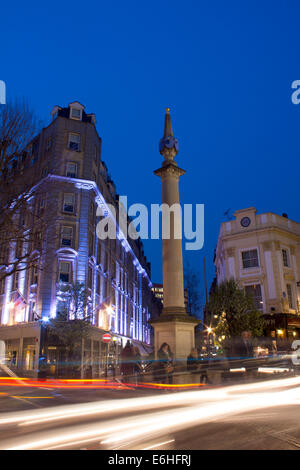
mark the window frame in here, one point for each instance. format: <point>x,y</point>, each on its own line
<point>60,272</point>
<point>250,258</point>
<point>258,299</point>
<point>290,296</point>
<point>65,205</point>
<point>62,236</point>
<point>73,108</point>
<point>78,149</point>
<point>49,142</point>
<point>285,258</point>
<point>75,164</point>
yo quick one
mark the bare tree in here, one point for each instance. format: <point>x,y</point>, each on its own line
<point>23,220</point>
<point>192,285</point>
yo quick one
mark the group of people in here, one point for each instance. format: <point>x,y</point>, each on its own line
<point>131,364</point>
<point>241,353</point>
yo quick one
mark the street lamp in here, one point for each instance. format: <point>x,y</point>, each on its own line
<point>109,310</point>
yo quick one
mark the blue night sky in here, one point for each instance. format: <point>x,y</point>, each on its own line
<point>224,68</point>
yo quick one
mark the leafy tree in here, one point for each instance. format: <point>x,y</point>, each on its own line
<point>235,310</point>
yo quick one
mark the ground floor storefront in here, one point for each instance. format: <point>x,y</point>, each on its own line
<point>30,352</point>
<point>283,329</point>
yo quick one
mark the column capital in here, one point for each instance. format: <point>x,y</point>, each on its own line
<point>267,246</point>
<point>170,169</point>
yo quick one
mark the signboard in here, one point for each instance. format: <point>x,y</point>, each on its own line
<point>106,338</point>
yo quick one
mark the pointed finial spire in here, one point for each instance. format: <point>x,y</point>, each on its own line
<point>168,145</point>
<point>168,125</point>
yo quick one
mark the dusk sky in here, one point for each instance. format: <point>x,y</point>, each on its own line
<point>224,68</point>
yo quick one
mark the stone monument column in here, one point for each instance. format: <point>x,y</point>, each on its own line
<point>174,326</point>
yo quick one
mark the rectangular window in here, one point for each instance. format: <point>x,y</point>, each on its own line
<point>255,292</point>
<point>250,259</point>
<point>48,143</point>
<point>285,258</point>
<point>66,236</point>
<point>69,202</point>
<point>71,170</point>
<point>98,284</point>
<point>35,275</point>
<point>16,281</point>
<point>19,249</point>
<point>74,142</point>
<point>90,277</point>
<point>64,271</point>
<point>76,113</point>
<point>99,253</point>
<point>91,244</point>
<point>290,295</point>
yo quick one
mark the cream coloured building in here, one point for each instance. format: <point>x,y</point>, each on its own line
<point>262,252</point>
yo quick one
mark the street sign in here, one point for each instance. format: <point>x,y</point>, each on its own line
<point>106,338</point>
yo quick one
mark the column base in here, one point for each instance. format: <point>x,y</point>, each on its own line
<point>178,330</point>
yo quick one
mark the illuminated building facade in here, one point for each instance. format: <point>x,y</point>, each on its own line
<point>262,252</point>
<point>67,155</point>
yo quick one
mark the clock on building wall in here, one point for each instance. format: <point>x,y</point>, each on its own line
<point>245,222</point>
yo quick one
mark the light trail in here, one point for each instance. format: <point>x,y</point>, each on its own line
<point>199,407</point>
<point>130,431</point>
<point>69,412</point>
<point>25,418</point>
<point>154,446</point>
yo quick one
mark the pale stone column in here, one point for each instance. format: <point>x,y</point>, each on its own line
<point>174,326</point>
<point>172,246</point>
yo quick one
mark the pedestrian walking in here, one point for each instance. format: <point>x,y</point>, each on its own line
<point>137,364</point>
<point>244,350</point>
<point>127,363</point>
<point>165,364</point>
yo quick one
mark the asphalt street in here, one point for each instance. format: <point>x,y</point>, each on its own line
<point>265,423</point>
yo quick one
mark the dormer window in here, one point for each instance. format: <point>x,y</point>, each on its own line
<point>76,113</point>
<point>54,112</point>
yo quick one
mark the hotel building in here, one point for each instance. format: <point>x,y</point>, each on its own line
<point>67,156</point>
